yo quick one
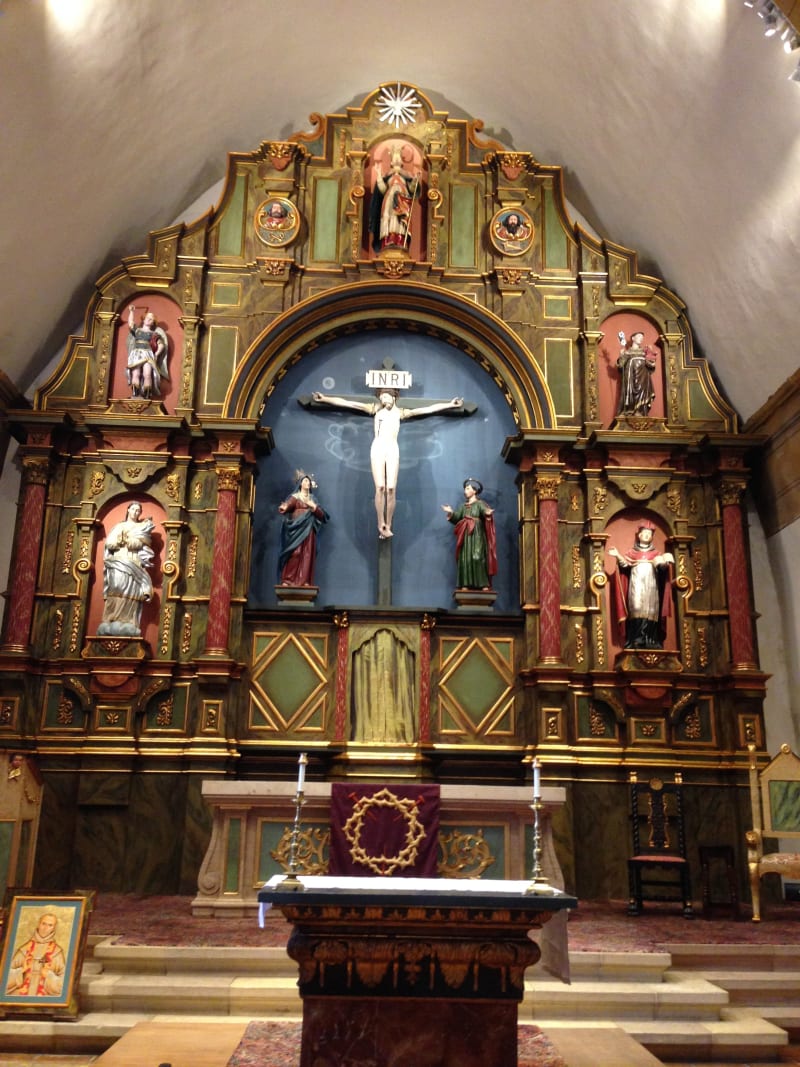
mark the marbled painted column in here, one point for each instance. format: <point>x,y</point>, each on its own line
<point>740,608</point>
<point>25,554</point>
<point>219,603</point>
<point>342,622</point>
<point>428,623</point>
<point>549,572</point>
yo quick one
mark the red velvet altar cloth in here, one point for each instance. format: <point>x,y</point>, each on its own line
<point>384,830</point>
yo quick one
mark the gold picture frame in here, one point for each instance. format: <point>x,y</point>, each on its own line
<point>43,949</point>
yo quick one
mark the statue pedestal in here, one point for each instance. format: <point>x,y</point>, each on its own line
<point>474,599</point>
<point>296,594</point>
<point>414,964</point>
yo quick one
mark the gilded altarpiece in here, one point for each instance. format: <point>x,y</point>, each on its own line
<point>389,237</point>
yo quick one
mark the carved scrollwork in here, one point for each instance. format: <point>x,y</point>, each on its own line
<point>463,854</point>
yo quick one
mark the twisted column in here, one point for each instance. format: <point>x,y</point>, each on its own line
<point>219,604</point>
<point>737,584</point>
<point>25,554</point>
<point>549,571</point>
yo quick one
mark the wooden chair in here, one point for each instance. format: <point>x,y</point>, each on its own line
<point>775,803</point>
<point>658,864</point>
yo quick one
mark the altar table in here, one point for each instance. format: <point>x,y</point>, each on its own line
<point>417,971</point>
<point>248,818</point>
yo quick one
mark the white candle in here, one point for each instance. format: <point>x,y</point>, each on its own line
<point>301,771</point>
<point>537,779</point>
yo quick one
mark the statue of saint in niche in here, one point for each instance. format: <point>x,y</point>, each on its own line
<point>636,365</point>
<point>126,584</point>
<point>641,591</point>
<point>148,349</point>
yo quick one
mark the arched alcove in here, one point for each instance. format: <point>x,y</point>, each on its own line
<point>436,454</point>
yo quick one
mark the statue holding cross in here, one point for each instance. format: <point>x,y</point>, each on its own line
<point>387,414</point>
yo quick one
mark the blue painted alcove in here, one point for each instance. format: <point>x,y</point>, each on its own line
<point>436,454</point>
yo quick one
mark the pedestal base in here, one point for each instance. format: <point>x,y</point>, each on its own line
<point>348,1032</point>
<point>475,599</point>
<point>296,594</point>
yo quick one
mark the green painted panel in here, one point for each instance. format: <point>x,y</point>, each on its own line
<point>222,346</point>
<point>599,725</point>
<point>232,856</point>
<point>289,680</point>
<point>231,225</point>
<point>73,386</point>
<point>318,644</point>
<point>476,684</point>
<point>558,307</point>
<point>6,839</point>
<point>555,250</point>
<point>326,219</point>
<point>699,405</point>
<point>227,295</point>
<point>463,217</point>
<point>24,855</point>
<point>558,372</point>
<point>784,803</point>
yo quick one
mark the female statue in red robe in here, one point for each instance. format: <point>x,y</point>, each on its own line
<point>303,517</point>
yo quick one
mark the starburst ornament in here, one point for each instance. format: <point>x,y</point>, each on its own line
<point>397,106</point>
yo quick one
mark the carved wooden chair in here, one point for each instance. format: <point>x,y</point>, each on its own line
<point>658,869</point>
<point>775,803</point>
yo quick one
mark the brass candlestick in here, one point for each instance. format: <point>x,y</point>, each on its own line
<point>538,879</point>
<point>291,881</point>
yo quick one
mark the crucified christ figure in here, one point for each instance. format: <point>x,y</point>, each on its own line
<point>384,453</point>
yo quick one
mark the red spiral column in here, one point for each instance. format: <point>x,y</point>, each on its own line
<point>428,623</point>
<point>342,622</point>
<point>219,605</point>
<point>25,554</point>
<point>549,572</point>
<point>737,582</point>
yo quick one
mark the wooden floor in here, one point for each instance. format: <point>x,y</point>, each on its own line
<point>176,1044</point>
<point>601,1046</point>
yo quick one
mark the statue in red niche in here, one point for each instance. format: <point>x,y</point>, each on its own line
<point>641,591</point>
<point>392,202</point>
<point>636,365</point>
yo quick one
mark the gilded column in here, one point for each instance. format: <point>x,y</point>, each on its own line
<point>25,555</point>
<point>737,584</point>
<point>549,571</point>
<point>219,605</point>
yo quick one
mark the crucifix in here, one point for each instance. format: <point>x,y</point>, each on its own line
<point>384,456</point>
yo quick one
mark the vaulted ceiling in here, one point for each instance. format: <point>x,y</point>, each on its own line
<point>675,121</point>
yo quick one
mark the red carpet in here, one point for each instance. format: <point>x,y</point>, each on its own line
<point>594,926</point>
<point>278,1044</point>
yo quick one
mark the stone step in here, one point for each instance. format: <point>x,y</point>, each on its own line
<point>691,999</point>
<point>739,1034</point>
<point>755,988</point>
<point>690,957</point>
<point>675,1013</point>
<point>150,959</point>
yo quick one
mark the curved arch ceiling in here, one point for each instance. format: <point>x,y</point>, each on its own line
<point>674,120</point>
